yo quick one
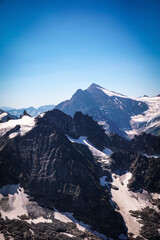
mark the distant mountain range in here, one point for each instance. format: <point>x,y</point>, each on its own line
<point>116,112</point>
<point>77,175</point>
<point>33,112</point>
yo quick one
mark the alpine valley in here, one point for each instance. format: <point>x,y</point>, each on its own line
<point>88,169</point>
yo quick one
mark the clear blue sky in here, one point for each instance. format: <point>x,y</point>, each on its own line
<point>49,49</point>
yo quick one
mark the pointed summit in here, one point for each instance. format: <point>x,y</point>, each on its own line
<point>109,108</point>
<point>93,86</point>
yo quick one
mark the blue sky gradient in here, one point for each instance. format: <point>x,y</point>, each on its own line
<point>49,49</point>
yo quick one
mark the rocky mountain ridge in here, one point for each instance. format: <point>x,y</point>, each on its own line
<point>60,173</point>
<point>116,112</point>
<point>34,112</point>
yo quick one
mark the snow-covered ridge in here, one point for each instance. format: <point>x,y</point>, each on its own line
<point>103,156</point>
<point>26,124</point>
<point>4,114</point>
<point>111,93</point>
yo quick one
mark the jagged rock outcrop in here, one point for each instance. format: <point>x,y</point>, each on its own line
<point>58,173</point>
<point>145,174</point>
<point>146,143</point>
<point>95,133</point>
<point>118,143</point>
<point>84,125</point>
<point>63,174</point>
<point>145,170</point>
<point>61,121</point>
<point>19,229</point>
<point>121,161</point>
<point>150,221</point>
<point>24,114</point>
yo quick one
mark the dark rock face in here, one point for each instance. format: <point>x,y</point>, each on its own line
<point>87,127</point>
<point>81,101</point>
<point>118,143</point>
<point>24,114</point>
<point>150,220</point>
<point>59,173</point>
<point>113,110</point>
<point>121,161</point>
<point>19,229</point>
<point>145,174</point>
<point>62,174</point>
<point>146,143</point>
<point>61,121</point>
<point>84,125</point>
<point>145,170</point>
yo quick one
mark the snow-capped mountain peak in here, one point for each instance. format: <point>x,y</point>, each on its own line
<point>107,92</point>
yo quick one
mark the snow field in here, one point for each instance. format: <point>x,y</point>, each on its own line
<point>26,124</point>
<point>128,200</point>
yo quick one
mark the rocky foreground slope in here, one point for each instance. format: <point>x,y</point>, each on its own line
<point>58,172</point>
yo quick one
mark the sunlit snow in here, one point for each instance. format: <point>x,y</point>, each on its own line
<point>16,200</point>
<point>145,121</point>
<point>69,235</point>
<point>128,200</point>
<point>3,115</point>
<point>14,204</point>
<point>67,217</point>
<point>103,156</point>
<point>26,124</point>
<point>111,93</point>
<point>2,236</point>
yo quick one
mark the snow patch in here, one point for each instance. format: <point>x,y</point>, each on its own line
<point>61,217</point>
<point>150,156</point>
<point>39,220</point>
<point>80,225</point>
<point>42,114</point>
<point>2,236</point>
<point>111,93</point>
<point>12,135</point>
<point>31,231</point>
<point>26,124</point>
<point>3,115</point>
<point>13,204</point>
<point>128,200</point>
<point>103,156</point>
<point>69,235</point>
